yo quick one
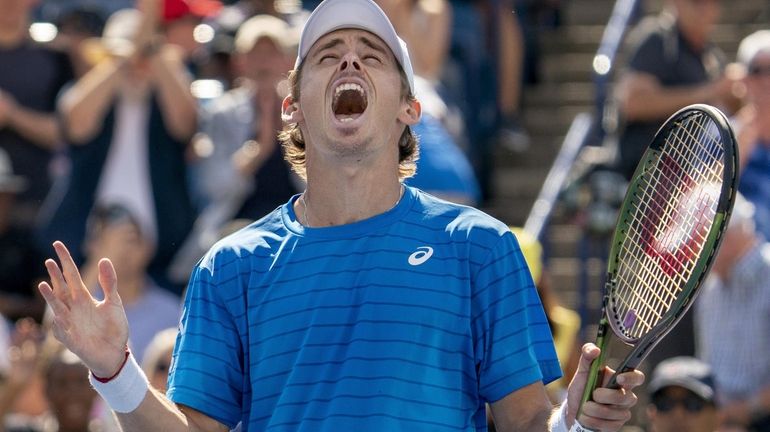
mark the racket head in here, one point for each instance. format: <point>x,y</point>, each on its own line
<point>670,225</point>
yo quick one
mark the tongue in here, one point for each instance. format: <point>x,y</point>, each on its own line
<point>349,103</point>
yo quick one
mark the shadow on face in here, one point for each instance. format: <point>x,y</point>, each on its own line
<point>676,409</point>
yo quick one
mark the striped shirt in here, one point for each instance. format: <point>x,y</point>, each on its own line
<point>733,326</point>
<point>409,320</point>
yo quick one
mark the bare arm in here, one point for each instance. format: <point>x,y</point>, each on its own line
<point>642,97</point>
<point>156,412</point>
<point>97,332</point>
<point>39,127</point>
<point>528,409</point>
<point>177,104</point>
<point>84,105</point>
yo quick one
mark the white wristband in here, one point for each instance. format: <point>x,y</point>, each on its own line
<point>126,391</point>
<point>560,423</point>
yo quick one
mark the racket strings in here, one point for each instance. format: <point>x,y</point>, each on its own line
<point>668,225</point>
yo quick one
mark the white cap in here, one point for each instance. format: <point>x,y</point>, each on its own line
<point>333,15</point>
<point>271,27</point>
<point>753,44</point>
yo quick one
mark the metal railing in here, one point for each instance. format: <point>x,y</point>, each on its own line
<point>587,131</point>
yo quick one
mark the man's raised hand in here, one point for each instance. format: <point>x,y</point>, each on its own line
<point>96,331</point>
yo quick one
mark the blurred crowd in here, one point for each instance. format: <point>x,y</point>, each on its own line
<point>145,130</point>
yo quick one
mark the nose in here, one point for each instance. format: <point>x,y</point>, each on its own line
<point>350,60</point>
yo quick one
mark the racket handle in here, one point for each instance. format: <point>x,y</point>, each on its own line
<point>596,372</point>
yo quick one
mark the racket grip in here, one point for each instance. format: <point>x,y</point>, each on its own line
<point>594,378</point>
<point>597,366</point>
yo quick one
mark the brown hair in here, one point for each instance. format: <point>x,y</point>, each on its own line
<point>294,144</point>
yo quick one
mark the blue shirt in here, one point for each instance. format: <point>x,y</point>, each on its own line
<point>409,320</point>
<point>754,185</point>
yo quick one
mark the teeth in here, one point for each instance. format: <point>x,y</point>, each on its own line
<point>348,86</point>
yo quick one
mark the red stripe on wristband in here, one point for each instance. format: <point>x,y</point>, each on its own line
<point>106,380</point>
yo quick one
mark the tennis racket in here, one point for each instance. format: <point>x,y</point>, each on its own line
<point>669,228</point>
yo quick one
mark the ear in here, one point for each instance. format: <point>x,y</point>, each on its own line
<point>411,112</point>
<point>290,112</point>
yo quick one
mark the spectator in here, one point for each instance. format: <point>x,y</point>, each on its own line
<point>682,397</point>
<point>332,312</point>
<point>180,17</point>
<point>31,76</point>
<point>244,175</point>
<point>672,63</point>
<point>76,26</point>
<point>752,126</point>
<point>128,123</point>
<point>483,76</point>
<point>733,323</point>
<point>443,169</point>
<point>425,27</point>
<point>20,269</point>
<point>114,233</point>
<point>156,361</point>
<point>564,322</point>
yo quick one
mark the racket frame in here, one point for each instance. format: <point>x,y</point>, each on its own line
<point>643,345</point>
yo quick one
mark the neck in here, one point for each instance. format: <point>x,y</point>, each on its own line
<point>331,201</point>
<point>12,36</point>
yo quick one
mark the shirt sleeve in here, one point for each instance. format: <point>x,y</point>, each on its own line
<point>513,346</point>
<point>649,56</point>
<point>207,372</point>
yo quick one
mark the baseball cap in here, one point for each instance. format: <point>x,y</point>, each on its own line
<point>175,9</point>
<point>259,26</point>
<point>333,15</point>
<point>687,372</point>
<point>752,45</point>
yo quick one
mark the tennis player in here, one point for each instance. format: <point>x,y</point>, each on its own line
<point>361,304</point>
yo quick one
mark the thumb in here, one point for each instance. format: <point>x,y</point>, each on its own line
<point>108,280</point>
<point>588,354</point>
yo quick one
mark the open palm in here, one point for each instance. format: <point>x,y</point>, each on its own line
<point>96,331</point>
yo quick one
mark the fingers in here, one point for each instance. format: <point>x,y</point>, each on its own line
<point>58,307</point>
<point>58,285</point>
<point>108,280</point>
<point>74,283</point>
<point>587,355</point>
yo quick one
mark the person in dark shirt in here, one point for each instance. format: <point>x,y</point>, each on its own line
<point>31,76</point>
<point>20,268</point>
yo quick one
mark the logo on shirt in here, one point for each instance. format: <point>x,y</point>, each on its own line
<point>422,254</point>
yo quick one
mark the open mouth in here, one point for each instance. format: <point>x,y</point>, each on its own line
<point>349,102</point>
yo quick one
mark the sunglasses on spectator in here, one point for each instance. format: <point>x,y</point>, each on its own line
<point>691,403</point>
<point>759,70</point>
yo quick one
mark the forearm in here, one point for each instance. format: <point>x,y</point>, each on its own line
<point>155,412</point>
<point>84,106</point>
<point>177,103</point>
<point>642,97</point>
<point>39,127</point>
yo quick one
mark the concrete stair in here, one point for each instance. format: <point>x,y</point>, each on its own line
<point>566,89</point>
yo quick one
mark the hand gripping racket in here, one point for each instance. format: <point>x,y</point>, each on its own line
<point>669,227</point>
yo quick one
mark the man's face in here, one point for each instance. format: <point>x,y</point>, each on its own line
<point>265,63</point>
<point>676,409</point>
<point>351,100</point>
<point>697,18</point>
<point>758,79</point>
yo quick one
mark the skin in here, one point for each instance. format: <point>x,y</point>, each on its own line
<point>352,173</point>
<point>642,97</point>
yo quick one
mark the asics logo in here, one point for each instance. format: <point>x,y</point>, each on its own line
<point>423,254</point>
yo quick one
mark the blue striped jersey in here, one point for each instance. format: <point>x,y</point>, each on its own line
<point>409,320</point>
